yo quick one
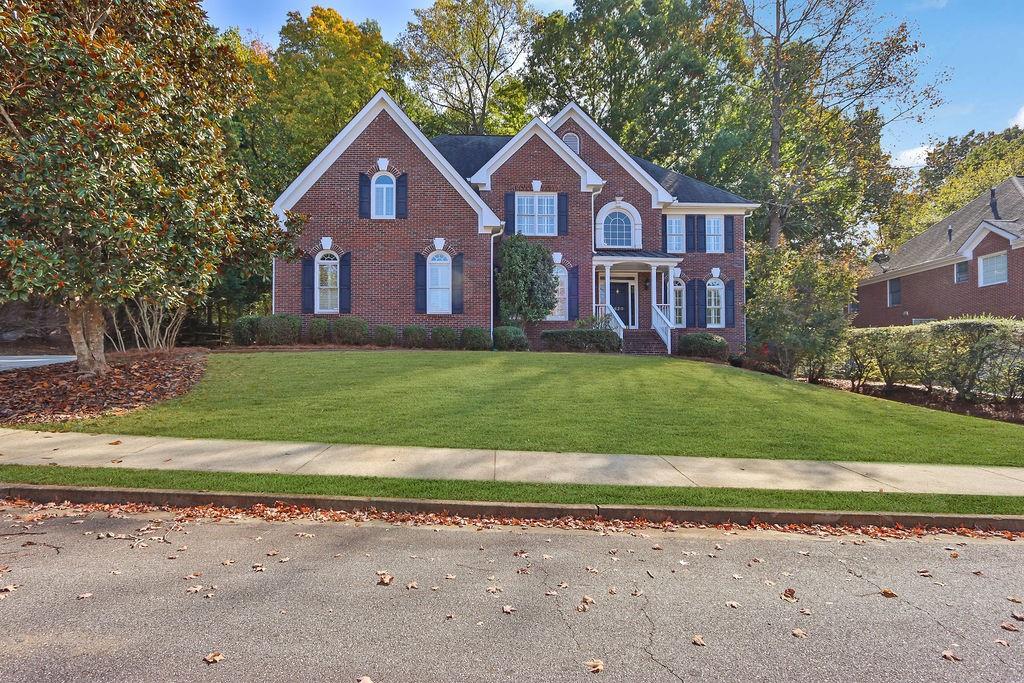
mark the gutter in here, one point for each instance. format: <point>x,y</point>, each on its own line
<point>495,232</point>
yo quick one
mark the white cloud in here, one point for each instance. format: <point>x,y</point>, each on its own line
<point>930,4</point>
<point>913,157</point>
<point>1018,120</point>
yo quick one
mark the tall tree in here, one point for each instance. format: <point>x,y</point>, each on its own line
<point>461,54</point>
<point>115,183</point>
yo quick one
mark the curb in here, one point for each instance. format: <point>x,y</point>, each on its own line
<point>652,513</point>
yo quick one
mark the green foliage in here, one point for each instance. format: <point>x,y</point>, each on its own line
<point>526,286</point>
<point>385,335</point>
<point>702,345</point>
<point>414,336</point>
<point>444,338</point>
<point>319,331</point>
<point>595,322</point>
<point>475,339</point>
<point>278,330</point>
<point>510,338</point>
<point>579,339</point>
<point>351,329</point>
<point>797,306</point>
<point>244,330</point>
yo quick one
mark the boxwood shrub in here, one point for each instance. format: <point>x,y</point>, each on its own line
<point>476,339</point>
<point>385,335</point>
<point>414,336</point>
<point>601,341</point>
<point>510,338</point>
<point>319,331</point>
<point>279,329</point>
<point>702,345</point>
<point>444,338</point>
<point>243,331</point>
<point>351,330</point>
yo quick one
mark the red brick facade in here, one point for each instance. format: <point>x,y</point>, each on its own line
<point>933,294</point>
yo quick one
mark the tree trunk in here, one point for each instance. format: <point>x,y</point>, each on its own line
<point>87,326</point>
<point>775,218</point>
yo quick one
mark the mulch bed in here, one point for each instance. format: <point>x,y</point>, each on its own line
<point>57,393</point>
<point>940,399</point>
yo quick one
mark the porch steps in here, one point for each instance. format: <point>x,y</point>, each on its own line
<point>642,343</point>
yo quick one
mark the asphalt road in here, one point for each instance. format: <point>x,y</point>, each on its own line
<point>18,362</point>
<point>320,615</point>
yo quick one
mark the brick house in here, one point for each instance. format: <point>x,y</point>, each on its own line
<point>969,263</point>
<point>404,230</point>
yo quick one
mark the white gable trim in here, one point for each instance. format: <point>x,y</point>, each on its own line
<point>659,195</point>
<point>967,250</point>
<point>682,208</point>
<point>378,103</point>
<point>589,179</point>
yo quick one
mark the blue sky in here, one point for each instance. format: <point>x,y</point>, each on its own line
<point>980,42</point>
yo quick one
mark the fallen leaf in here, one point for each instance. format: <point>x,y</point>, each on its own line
<point>804,611</point>
<point>789,595</point>
<point>365,679</point>
<point>303,534</point>
<point>450,577</point>
<point>951,656</point>
<point>228,563</point>
<point>551,593</point>
<point>887,593</point>
<point>384,579</point>
<point>493,589</point>
<point>1008,626</point>
<point>799,633</point>
<point>115,443</point>
<point>509,609</point>
<point>596,666</point>
<point>258,568</point>
<point>1019,616</point>
<point>86,596</point>
<point>1001,642</point>
<point>213,658</point>
<point>698,640</point>
<point>734,605</point>
<point>656,546</point>
<point>412,585</point>
<point>953,555</point>
<point>1014,598</point>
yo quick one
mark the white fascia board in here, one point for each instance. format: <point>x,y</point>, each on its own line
<point>378,103</point>
<point>659,195</point>
<point>589,179</point>
<point>967,250</point>
<point>599,258</point>
<point>679,208</point>
<point>911,270</point>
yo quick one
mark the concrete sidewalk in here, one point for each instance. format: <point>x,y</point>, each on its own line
<point>108,450</point>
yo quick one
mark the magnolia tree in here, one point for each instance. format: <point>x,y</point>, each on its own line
<point>525,284</point>
<point>115,184</point>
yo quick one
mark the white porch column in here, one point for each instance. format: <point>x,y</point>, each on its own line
<point>607,284</point>
<point>654,285</point>
<point>671,297</point>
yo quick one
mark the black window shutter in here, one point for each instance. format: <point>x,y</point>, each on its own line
<point>402,196</point>
<point>563,213</point>
<point>664,232</point>
<point>364,195</point>
<point>308,272</point>
<point>691,303</point>
<point>457,299</point>
<point>701,297</point>
<point>421,283</point>
<point>345,283</point>
<point>730,303</point>
<point>691,244</point>
<point>730,222</point>
<point>700,232</point>
<point>510,213</point>
<point>574,293</point>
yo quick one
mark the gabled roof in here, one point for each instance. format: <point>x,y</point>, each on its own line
<point>687,190</point>
<point>589,179</point>
<point>382,102</point>
<point>970,224</point>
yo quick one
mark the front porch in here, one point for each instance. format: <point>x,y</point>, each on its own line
<point>639,292</point>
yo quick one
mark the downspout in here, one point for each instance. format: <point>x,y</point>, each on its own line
<point>495,232</point>
<point>593,248</point>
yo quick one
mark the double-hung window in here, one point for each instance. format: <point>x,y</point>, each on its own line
<point>536,214</point>
<point>439,283</point>
<point>992,269</point>
<point>327,284</point>
<point>676,234</point>
<point>561,309</point>
<point>960,272</point>
<point>895,292</point>
<point>714,233</point>
<point>715,303</point>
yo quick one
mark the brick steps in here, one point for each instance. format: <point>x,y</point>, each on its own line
<point>642,343</point>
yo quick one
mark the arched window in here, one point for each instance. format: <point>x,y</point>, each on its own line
<point>561,309</point>
<point>572,141</point>
<point>618,229</point>
<point>679,303</point>
<point>715,303</point>
<point>439,283</point>
<point>326,282</point>
<point>618,225</point>
<point>382,204</point>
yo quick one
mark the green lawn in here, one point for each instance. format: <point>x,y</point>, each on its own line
<point>382,487</point>
<point>559,402</point>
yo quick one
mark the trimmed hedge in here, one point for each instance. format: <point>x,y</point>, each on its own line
<point>351,330</point>
<point>444,338</point>
<point>476,339</point>
<point>414,336</point>
<point>702,345</point>
<point>278,330</point>
<point>581,339</point>
<point>244,330</point>
<point>385,335</point>
<point>319,331</point>
<point>510,338</point>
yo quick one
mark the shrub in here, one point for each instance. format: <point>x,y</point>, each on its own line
<point>702,345</point>
<point>476,339</point>
<point>971,350</point>
<point>385,335</point>
<point>444,338</point>
<point>736,360</point>
<point>319,331</point>
<point>854,360</point>
<point>595,322</point>
<point>525,285</point>
<point>351,330</point>
<point>244,329</point>
<point>278,329</point>
<point>601,341</point>
<point>414,336</point>
<point>510,338</point>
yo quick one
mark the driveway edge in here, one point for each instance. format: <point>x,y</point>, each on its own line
<point>509,510</point>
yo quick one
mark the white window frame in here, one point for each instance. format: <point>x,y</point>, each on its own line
<point>888,292</point>
<point>967,275</point>
<point>719,221</point>
<point>636,236</point>
<point>431,266</point>
<point>376,211</point>
<point>561,274</point>
<point>328,258</point>
<point>679,301</point>
<point>532,198</point>
<point>981,269</point>
<point>574,146</point>
<point>714,285</point>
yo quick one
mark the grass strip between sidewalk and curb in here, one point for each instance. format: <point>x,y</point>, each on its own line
<point>512,492</point>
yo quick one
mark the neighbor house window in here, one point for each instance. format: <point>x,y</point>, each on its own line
<point>536,214</point>
<point>572,141</point>
<point>679,303</point>
<point>992,269</point>
<point>327,282</point>
<point>715,303</point>
<point>383,204</point>
<point>439,283</point>
<point>676,241</point>
<point>714,232</point>
<point>561,309</point>
<point>618,230</point>
<point>960,271</point>
<point>895,290</point>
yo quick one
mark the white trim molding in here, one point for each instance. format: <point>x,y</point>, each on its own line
<point>636,234</point>
<point>382,102</point>
<point>589,179</point>
<point>980,232</point>
<point>981,268</point>
<point>679,208</point>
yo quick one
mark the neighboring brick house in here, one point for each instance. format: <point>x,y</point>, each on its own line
<point>969,263</point>
<point>404,230</point>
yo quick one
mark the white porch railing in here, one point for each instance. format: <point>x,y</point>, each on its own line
<point>604,310</point>
<point>662,324</point>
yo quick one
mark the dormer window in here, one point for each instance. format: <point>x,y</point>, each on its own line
<point>383,196</point>
<point>572,141</point>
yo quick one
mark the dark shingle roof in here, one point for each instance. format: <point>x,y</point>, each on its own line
<point>934,244</point>
<point>468,154</point>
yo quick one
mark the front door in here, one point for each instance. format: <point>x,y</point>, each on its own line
<point>620,302</point>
